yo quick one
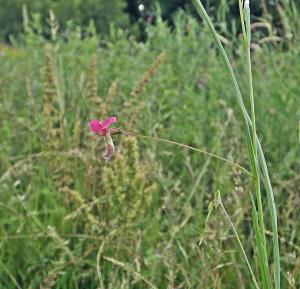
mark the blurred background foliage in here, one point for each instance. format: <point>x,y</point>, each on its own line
<point>131,14</point>
<point>80,12</point>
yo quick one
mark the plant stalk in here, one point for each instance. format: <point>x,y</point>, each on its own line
<point>244,170</point>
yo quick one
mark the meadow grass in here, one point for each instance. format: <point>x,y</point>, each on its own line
<point>70,220</point>
<point>256,155</point>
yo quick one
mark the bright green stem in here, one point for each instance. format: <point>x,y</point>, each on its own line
<point>248,125</point>
<point>264,264</point>
<point>248,35</point>
<point>242,16</point>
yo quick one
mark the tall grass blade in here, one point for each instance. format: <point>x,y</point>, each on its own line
<point>258,216</point>
<point>261,247</point>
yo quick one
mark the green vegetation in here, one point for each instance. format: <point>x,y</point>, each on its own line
<point>68,219</point>
<point>276,19</point>
<point>73,12</point>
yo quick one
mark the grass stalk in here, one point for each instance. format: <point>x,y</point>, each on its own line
<point>259,163</point>
<point>129,269</point>
<point>260,226</point>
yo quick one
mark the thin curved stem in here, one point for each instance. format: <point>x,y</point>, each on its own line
<point>244,170</point>
<point>98,265</point>
<point>239,241</point>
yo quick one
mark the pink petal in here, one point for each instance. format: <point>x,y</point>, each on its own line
<point>96,126</point>
<point>106,123</point>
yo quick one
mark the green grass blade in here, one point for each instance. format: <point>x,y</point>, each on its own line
<point>260,225</point>
<point>260,243</point>
<point>273,213</point>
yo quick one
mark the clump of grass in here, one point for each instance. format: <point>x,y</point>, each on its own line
<point>77,132</point>
<point>82,210</point>
<point>136,92</point>
<point>128,182</point>
<point>106,105</point>
<point>93,83</point>
<point>134,105</point>
<point>65,259</point>
<point>52,127</point>
<point>100,106</point>
<point>255,152</point>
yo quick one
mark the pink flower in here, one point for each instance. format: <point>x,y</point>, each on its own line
<point>102,128</point>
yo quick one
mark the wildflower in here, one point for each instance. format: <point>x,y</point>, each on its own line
<point>102,128</point>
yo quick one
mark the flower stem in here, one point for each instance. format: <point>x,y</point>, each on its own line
<point>244,170</point>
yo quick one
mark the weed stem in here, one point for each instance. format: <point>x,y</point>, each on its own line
<point>244,170</point>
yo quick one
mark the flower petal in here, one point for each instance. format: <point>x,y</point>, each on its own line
<point>96,126</point>
<point>106,123</point>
